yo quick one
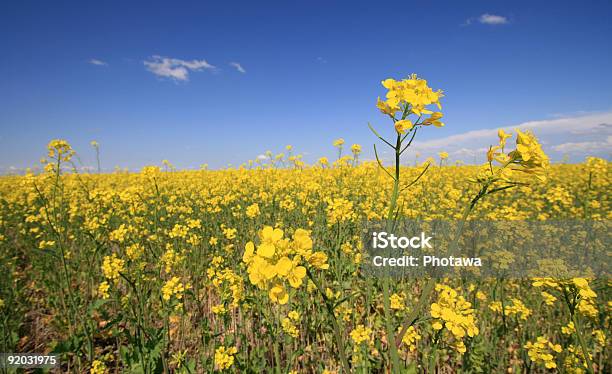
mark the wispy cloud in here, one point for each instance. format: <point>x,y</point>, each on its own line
<point>95,61</point>
<point>586,147</point>
<point>175,68</point>
<point>238,67</point>
<point>488,19</point>
<point>492,19</point>
<point>577,135</point>
<point>321,60</point>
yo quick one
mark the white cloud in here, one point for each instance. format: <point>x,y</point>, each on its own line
<point>579,135</point>
<point>95,61</point>
<point>601,129</point>
<point>175,68</point>
<point>585,147</point>
<point>492,19</point>
<point>238,67</point>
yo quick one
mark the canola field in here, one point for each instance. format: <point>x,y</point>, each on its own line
<point>258,268</point>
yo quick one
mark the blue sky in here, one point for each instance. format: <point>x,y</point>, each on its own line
<point>159,80</point>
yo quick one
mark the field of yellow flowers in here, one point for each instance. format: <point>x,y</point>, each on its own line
<point>258,268</point>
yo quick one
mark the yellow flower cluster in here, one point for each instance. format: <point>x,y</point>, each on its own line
<point>179,231</point>
<point>361,334</point>
<point>586,304</point>
<point>403,125</point>
<point>397,301</point>
<point>574,362</point>
<point>548,298</point>
<point>218,309</point>
<point>541,352</point>
<point>528,158</point>
<point>453,312</point>
<point>46,244</point>
<point>103,290</point>
<point>568,329</point>
<point>229,285</point>
<point>529,154</point>
<point>288,323</point>
<point>411,338</point>
<point>134,251</point>
<point>60,150</point>
<point>517,308</point>
<point>98,367</point>
<point>224,357</point>
<point>577,287</point>
<point>170,259</point>
<point>339,210</point>
<point>600,338</point>
<point>175,287</point>
<point>277,259</point>
<point>119,234</point>
<point>411,94</point>
<point>252,210</point>
<point>112,266</point>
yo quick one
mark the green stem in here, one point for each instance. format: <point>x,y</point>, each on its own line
<point>395,360</point>
<point>337,332</point>
<point>277,357</point>
<point>98,159</point>
<point>412,316</point>
<point>585,352</point>
<point>431,368</point>
<point>429,286</point>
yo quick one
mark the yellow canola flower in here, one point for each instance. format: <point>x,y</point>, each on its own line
<point>278,294</point>
<point>289,327</point>
<point>252,210</point>
<point>385,108</point>
<point>277,260</point>
<point>361,334</point>
<point>548,298</point>
<point>410,96</point>
<point>224,357</point>
<point>453,312</point>
<point>60,150</point>
<point>578,287</point>
<point>403,125</point>
<point>397,302</point>
<point>434,119</point>
<point>98,367</point>
<point>103,290</point>
<point>542,352</point>
<point>173,287</point>
<point>112,266</point>
<point>411,338</point>
<point>529,155</point>
<point>502,135</point>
